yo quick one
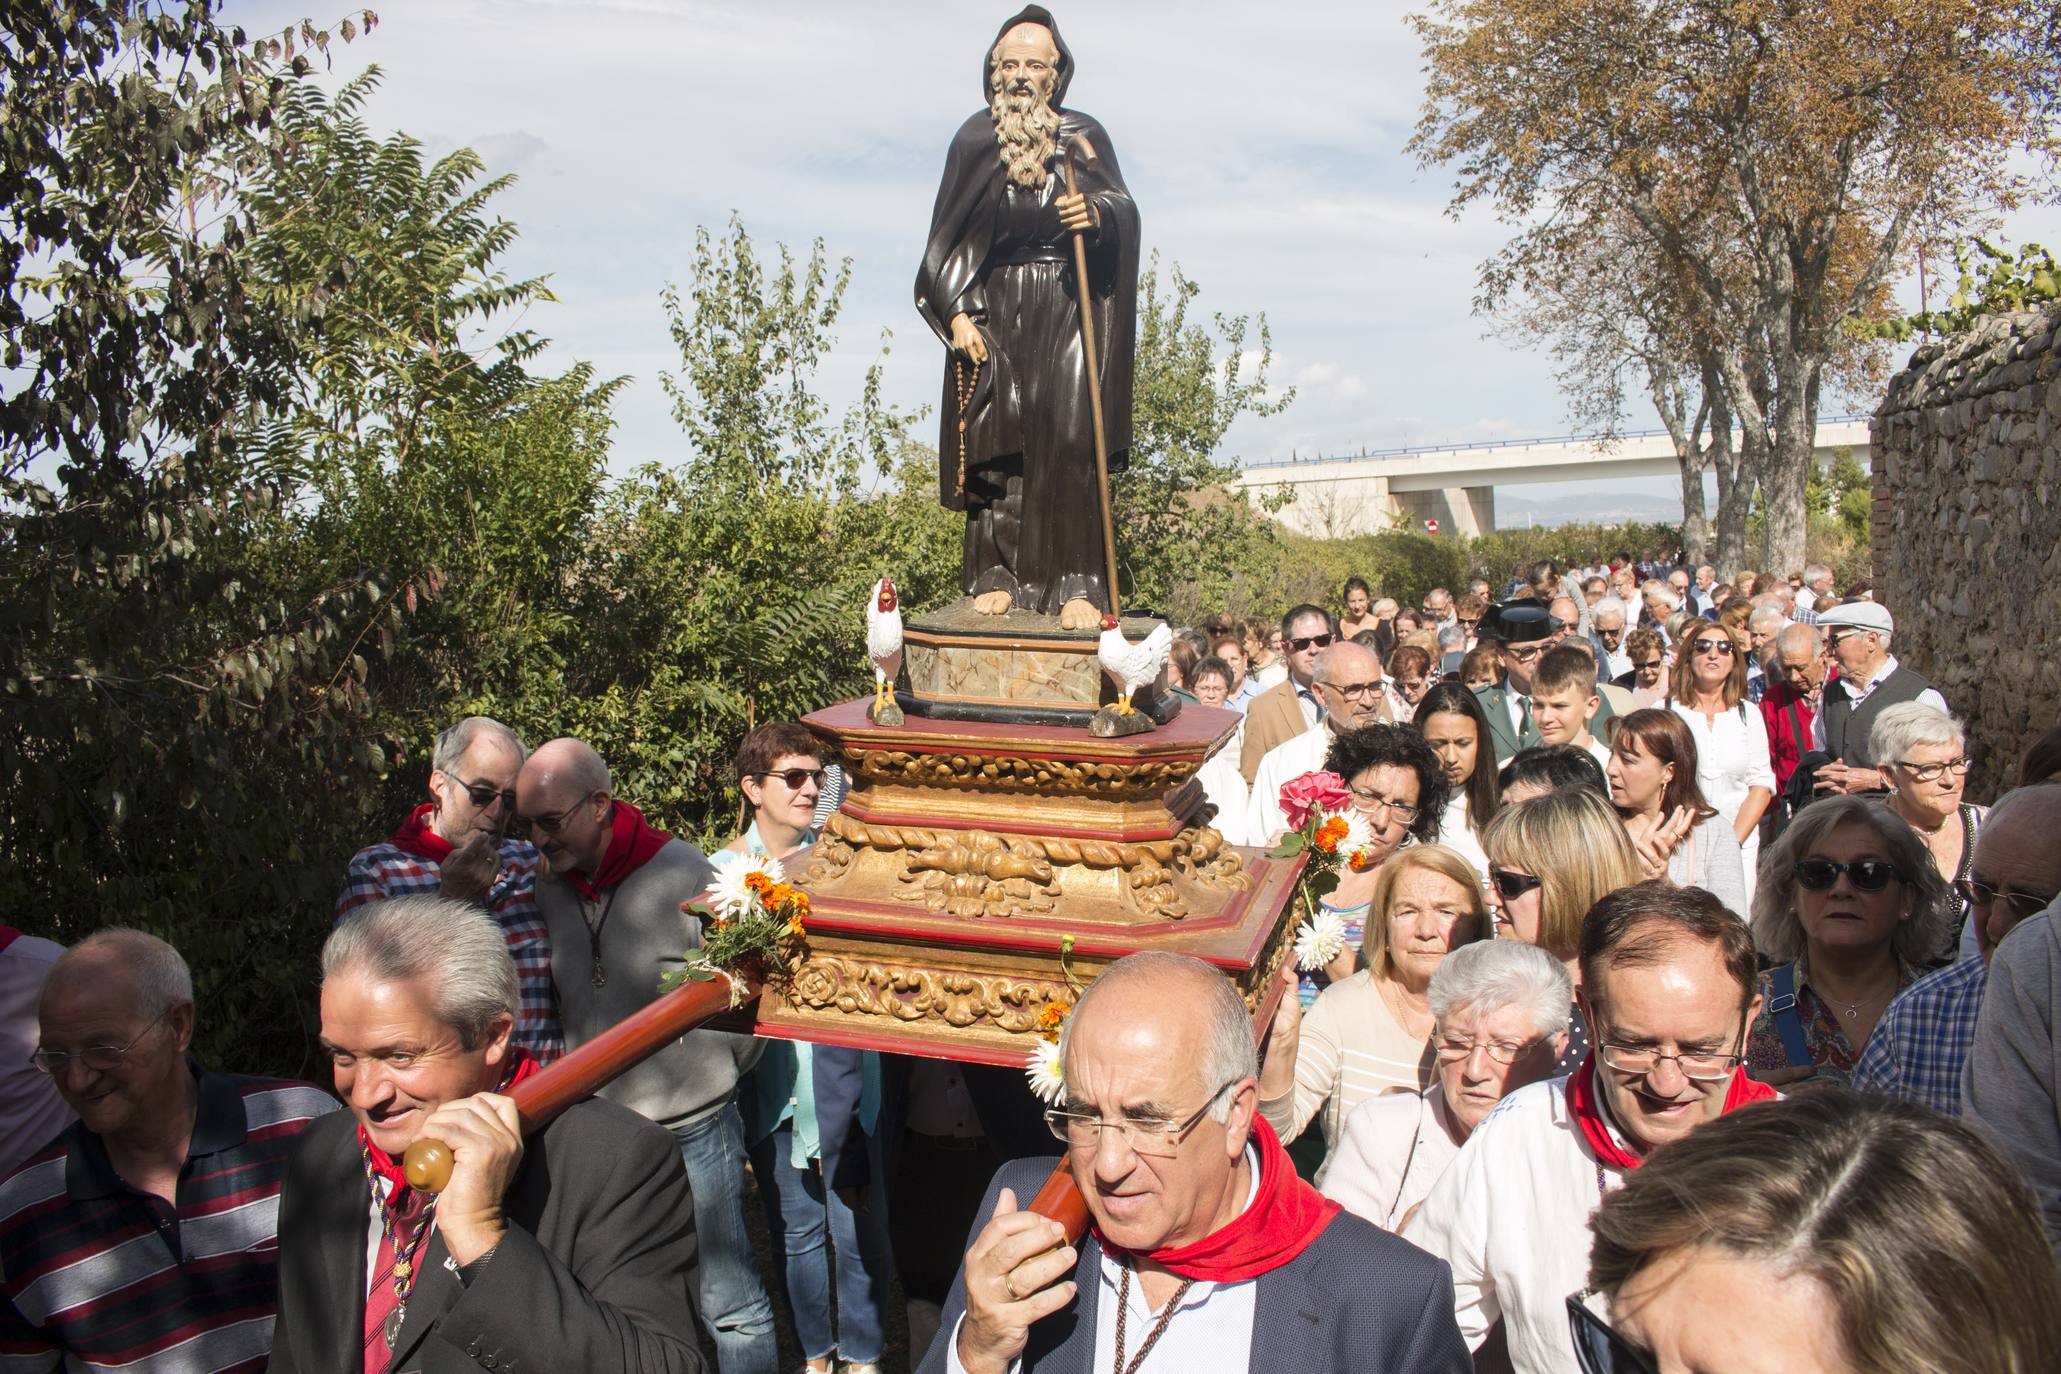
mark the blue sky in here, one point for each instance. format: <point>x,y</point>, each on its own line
<point>1264,146</point>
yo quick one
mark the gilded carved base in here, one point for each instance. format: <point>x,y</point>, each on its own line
<point>979,871</point>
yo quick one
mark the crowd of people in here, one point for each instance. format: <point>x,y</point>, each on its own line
<point>1690,1017</point>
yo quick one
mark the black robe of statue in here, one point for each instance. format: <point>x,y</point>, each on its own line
<point>997,253</point>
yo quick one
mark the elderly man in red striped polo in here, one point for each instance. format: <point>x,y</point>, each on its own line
<point>145,1235</point>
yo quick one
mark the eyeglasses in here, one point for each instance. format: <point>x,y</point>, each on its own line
<point>1511,885</point>
<point>2022,905</point>
<point>99,1058</point>
<point>1615,634</point>
<point>1524,653</point>
<point>1468,620</point>
<point>1156,1137</point>
<point>1932,772</point>
<point>1799,669</point>
<point>1597,1348</point>
<point>1454,1048</point>
<point>1302,642</point>
<point>550,821</point>
<point>1723,647</point>
<point>1698,1066</point>
<point>1649,665</point>
<point>1370,802</point>
<point>795,777</point>
<point>484,795</point>
<point>1356,691</point>
<point>1867,875</point>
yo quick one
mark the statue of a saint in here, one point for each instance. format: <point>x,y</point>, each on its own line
<point>1016,447</point>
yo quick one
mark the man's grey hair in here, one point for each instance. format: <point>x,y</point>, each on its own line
<point>1609,605</point>
<point>161,977</point>
<point>1794,637</point>
<point>1767,619</point>
<point>1902,727</point>
<point>1815,573</point>
<point>1654,587</point>
<point>1777,931</point>
<point>1341,652</point>
<point>452,743</point>
<point>1452,637</point>
<point>1229,1053</point>
<point>452,947</point>
<point>1489,975</point>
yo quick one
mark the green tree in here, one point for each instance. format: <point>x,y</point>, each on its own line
<point>1185,536</point>
<point>172,727</point>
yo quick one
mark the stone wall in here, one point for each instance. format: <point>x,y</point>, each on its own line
<point>1967,530</point>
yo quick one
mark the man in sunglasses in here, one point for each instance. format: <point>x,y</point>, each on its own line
<point>459,844</point>
<point>145,1235</point>
<point>1919,1046</point>
<point>1606,632</point>
<point>1522,630</point>
<point>611,893</point>
<point>1293,704</point>
<point>1870,680</point>
<point>1669,984</point>
<point>1207,1251</point>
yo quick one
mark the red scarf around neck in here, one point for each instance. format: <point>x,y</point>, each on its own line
<point>1583,1102</point>
<point>1285,1216</point>
<point>519,1064</point>
<point>415,836</point>
<point>631,842</point>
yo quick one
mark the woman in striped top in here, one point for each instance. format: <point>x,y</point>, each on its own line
<point>1371,1033</point>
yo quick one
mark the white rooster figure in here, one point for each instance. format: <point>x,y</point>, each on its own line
<point>1132,666</point>
<point>884,642</point>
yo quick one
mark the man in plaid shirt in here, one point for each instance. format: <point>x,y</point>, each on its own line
<point>454,845</point>
<point>1922,1041</point>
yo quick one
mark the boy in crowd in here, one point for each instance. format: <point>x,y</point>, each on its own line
<point>1563,700</point>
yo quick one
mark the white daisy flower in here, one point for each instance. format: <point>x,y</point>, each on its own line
<point>1319,940</point>
<point>1042,1068</point>
<point>1359,836</point>
<point>728,897</point>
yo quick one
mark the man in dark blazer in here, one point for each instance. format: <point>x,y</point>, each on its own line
<point>573,1250</point>
<point>1206,1246</point>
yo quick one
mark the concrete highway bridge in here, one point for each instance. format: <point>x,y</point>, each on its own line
<point>1455,484</point>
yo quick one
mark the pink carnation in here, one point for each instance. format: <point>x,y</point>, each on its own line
<point>1319,793</point>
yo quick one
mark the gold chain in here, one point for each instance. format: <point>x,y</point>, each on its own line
<point>962,390</point>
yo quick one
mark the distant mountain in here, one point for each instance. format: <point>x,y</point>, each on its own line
<point>1591,507</point>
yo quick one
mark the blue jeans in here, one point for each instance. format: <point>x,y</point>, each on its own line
<point>734,1305</point>
<point>799,1213</point>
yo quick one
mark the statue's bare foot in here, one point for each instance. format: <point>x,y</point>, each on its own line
<point>992,603</point>
<point>1079,615</point>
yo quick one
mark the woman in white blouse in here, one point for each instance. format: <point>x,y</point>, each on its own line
<point>1502,1023</point>
<point>1453,724</point>
<point>1733,770</point>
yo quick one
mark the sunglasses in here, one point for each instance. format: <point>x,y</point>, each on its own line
<point>1302,642</point>
<point>1524,653</point>
<point>1610,634</point>
<point>1600,1350</point>
<point>1510,886</point>
<point>1724,647</point>
<point>483,795</point>
<point>795,777</point>
<point>1867,875</point>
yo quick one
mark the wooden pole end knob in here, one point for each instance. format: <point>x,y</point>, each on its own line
<point>427,1164</point>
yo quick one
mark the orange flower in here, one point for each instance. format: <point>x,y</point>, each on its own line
<point>1050,1020</point>
<point>794,928</point>
<point>1330,833</point>
<point>797,903</point>
<point>758,882</point>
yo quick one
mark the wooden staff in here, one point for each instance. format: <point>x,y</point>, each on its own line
<point>628,1043</point>
<point>1080,277</point>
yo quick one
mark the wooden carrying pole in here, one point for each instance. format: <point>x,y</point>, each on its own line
<point>1080,278</point>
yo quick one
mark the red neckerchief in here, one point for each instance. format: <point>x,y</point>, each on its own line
<point>416,838</point>
<point>1285,1216</point>
<point>519,1065</point>
<point>1588,1112</point>
<point>631,843</point>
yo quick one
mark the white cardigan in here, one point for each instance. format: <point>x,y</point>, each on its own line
<point>1511,1216</point>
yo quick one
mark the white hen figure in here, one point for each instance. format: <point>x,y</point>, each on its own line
<point>884,641</point>
<point>1132,666</point>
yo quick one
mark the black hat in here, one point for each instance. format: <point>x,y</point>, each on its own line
<point>1521,621</point>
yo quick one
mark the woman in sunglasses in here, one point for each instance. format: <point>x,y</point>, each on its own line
<point>1733,768</point>
<point>1550,860</point>
<point>1923,757</point>
<point>1849,909</point>
<point>1830,1234</point>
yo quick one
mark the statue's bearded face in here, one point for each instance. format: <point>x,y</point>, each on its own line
<point>1026,68</point>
